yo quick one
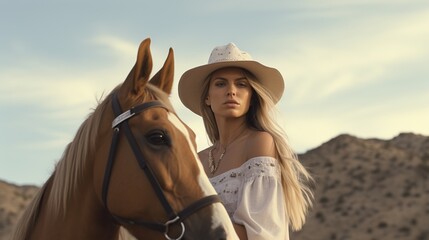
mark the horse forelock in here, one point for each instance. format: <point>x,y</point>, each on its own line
<point>159,95</point>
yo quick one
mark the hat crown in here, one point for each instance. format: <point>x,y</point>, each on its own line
<point>229,52</point>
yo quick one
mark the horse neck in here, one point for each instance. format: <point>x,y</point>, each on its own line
<point>84,218</point>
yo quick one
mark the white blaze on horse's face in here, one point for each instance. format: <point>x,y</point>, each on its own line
<point>203,180</point>
<point>205,184</point>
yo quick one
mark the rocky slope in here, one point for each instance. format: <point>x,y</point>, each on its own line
<point>369,189</point>
<point>365,189</point>
<point>13,200</point>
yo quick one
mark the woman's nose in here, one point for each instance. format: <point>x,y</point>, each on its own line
<point>231,91</point>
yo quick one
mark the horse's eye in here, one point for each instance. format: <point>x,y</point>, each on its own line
<point>158,138</point>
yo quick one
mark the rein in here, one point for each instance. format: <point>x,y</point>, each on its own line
<point>119,124</point>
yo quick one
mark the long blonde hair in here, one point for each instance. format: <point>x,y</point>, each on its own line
<point>296,180</point>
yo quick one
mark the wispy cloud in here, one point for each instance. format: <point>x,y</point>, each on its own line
<point>121,47</point>
<point>354,54</point>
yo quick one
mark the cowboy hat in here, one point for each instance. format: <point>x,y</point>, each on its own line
<point>227,56</point>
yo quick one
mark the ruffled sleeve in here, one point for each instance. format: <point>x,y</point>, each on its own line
<point>260,205</point>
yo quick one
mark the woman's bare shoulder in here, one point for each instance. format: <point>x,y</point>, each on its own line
<point>259,144</point>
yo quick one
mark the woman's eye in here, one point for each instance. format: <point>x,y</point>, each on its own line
<point>219,84</point>
<point>158,138</point>
<point>242,84</point>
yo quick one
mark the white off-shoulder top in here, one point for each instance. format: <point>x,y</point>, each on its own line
<point>253,197</point>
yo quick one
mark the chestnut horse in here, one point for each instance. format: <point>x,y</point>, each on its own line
<point>135,169</point>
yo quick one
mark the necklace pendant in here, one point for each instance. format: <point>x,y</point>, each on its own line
<point>212,168</point>
<point>212,163</point>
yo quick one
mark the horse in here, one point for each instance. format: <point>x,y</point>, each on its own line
<point>136,170</point>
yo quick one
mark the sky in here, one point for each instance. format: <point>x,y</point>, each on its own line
<point>356,67</point>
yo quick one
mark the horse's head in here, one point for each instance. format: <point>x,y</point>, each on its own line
<point>147,172</point>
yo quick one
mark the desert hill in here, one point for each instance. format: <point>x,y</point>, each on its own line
<point>13,200</point>
<point>369,189</point>
<point>365,189</point>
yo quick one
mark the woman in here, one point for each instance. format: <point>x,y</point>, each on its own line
<point>250,164</point>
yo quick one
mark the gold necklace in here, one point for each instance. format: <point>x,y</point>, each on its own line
<point>213,166</point>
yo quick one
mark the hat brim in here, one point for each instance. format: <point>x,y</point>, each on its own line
<point>191,83</point>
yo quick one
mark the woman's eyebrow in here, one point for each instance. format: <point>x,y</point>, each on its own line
<point>223,78</point>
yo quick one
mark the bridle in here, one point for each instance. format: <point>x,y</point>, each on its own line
<point>120,123</point>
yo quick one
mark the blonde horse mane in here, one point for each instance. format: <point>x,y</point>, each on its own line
<point>70,169</point>
<point>29,216</point>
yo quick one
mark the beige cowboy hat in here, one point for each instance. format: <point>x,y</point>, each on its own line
<point>228,55</point>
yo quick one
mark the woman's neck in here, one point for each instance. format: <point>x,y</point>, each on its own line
<point>230,131</point>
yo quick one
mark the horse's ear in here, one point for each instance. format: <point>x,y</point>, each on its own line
<point>163,79</point>
<point>140,73</point>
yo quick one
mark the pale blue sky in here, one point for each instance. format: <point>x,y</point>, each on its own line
<point>350,66</point>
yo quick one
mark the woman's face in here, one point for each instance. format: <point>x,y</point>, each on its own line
<point>229,93</point>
